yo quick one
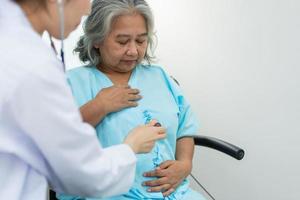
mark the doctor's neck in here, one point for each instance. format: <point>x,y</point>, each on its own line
<point>37,15</point>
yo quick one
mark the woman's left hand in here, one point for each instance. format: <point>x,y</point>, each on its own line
<point>169,176</point>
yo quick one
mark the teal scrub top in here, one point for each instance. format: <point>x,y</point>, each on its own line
<point>162,100</point>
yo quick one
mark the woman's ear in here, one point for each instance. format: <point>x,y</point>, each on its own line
<point>98,45</point>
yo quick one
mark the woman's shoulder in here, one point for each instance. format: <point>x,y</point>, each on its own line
<point>81,71</point>
<point>152,68</point>
<point>157,72</point>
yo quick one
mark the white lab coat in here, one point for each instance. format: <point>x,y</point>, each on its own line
<point>42,137</point>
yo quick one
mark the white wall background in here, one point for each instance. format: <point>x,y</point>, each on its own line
<point>238,63</point>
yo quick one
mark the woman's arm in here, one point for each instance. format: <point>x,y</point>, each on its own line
<point>92,112</point>
<point>109,100</point>
<point>185,152</point>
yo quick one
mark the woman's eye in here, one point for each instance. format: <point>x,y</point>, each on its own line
<point>140,41</point>
<point>122,42</point>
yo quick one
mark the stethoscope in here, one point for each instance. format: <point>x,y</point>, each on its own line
<point>60,4</point>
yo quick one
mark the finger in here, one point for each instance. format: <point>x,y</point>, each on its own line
<point>149,174</point>
<point>168,192</point>
<point>171,189</point>
<point>176,185</point>
<point>160,130</point>
<point>157,133</point>
<point>160,136</point>
<point>154,173</point>
<point>156,182</point>
<point>131,104</point>
<point>160,188</point>
<point>166,164</point>
<point>152,122</point>
<point>152,183</point>
<point>134,97</point>
<point>133,91</point>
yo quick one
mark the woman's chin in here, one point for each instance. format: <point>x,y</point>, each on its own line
<point>128,66</point>
<point>125,70</point>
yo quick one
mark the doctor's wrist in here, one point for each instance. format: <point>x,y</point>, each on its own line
<point>132,146</point>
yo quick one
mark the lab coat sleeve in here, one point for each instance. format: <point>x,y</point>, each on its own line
<point>45,111</point>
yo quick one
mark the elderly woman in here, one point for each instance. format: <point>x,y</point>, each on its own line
<point>117,45</point>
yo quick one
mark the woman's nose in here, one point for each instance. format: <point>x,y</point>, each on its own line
<point>132,50</point>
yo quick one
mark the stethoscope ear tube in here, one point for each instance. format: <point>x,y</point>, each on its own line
<point>60,4</point>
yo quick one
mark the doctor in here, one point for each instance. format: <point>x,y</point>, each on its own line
<point>42,137</point>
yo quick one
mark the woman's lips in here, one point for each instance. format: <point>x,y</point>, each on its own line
<point>129,61</point>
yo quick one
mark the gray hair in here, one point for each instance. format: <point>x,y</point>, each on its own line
<point>98,25</point>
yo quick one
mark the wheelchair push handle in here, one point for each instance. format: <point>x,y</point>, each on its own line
<point>220,145</point>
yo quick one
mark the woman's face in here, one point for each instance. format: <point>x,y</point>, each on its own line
<point>126,44</point>
<point>74,10</point>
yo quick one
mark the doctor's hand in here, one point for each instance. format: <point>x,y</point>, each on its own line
<point>169,176</point>
<point>142,138</point>
<point>117,97</point>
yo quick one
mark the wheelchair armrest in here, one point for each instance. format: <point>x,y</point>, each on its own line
<point>52,195</point>
<point>220,145</point>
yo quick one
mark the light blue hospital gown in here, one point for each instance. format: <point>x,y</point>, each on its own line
<point>162,100</point>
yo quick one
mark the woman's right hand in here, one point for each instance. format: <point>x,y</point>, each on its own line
<point>117,97</point>
<point>142,138</point>
<point>109,100</point>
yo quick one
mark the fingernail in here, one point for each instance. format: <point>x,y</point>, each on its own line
<point>149,190</point>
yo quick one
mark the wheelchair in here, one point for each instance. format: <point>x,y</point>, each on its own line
<point>210,142</point>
